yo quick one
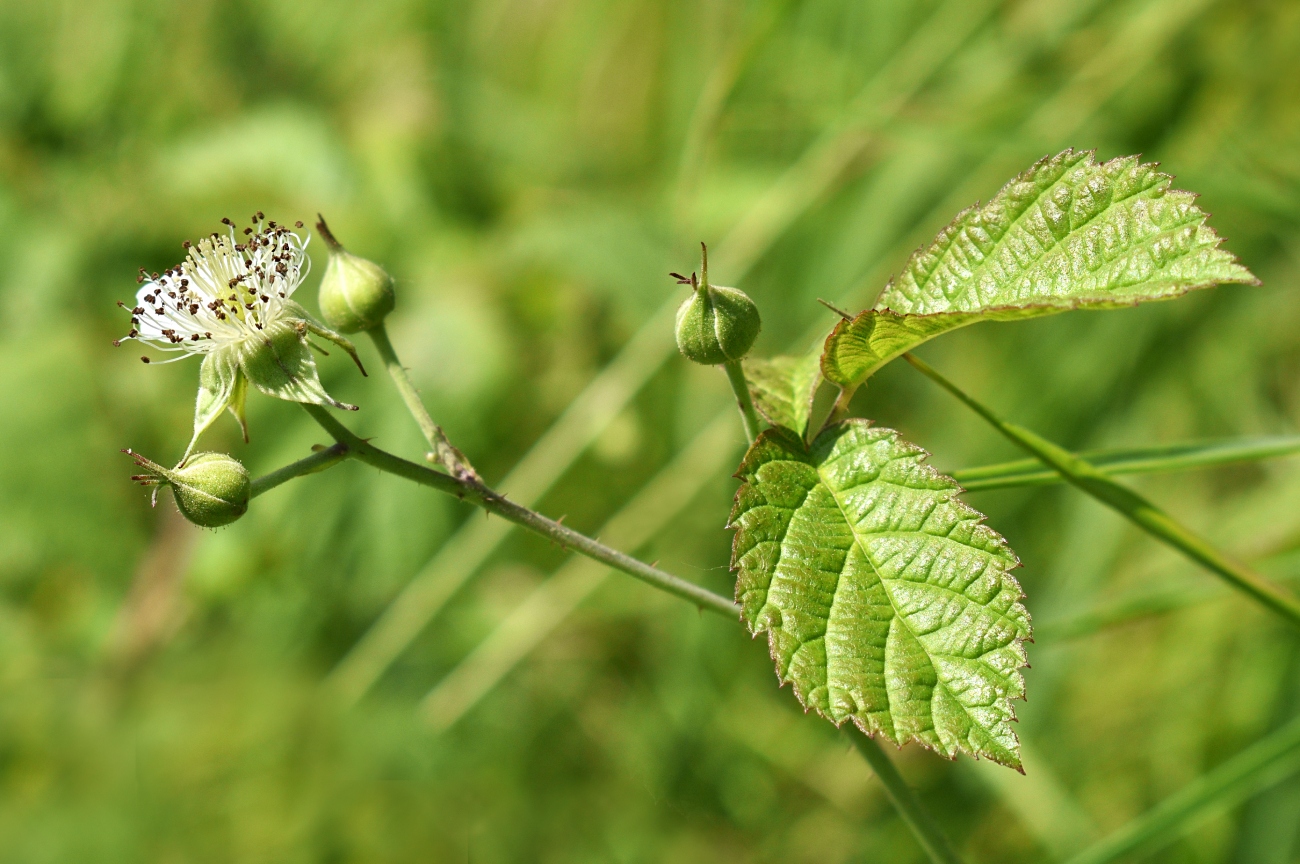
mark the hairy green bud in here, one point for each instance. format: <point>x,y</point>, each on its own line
<point>355,294</point>
<point>715,325</point>
<point>210,489</point>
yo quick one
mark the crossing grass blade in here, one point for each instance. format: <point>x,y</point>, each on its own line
<point>1265,763</point>
<point>1140,511</point>
<point>1160,459</point>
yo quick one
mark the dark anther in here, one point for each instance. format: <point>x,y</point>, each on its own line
<point>139,310</point>
<point>298,224</point>
<point>186,244</point>
<point>225,221</point>
<point>144,359</point>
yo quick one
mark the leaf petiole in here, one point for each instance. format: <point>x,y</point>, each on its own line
<point>744,401</point>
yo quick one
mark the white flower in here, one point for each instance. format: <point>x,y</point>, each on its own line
<point>223,292</point>
<point>229,301</point>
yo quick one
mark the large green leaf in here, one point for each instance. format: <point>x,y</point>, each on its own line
<point>1069,233</point>
<point>886,600</point>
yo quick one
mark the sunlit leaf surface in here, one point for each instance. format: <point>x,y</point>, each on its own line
<point>1069,233</point>
<point>885,599</point>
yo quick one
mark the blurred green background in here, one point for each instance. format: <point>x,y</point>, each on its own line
<point>529,171</point>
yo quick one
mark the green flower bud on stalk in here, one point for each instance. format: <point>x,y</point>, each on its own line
<point>211,489</point>
<point>715,325</point>
<point>355,294</point>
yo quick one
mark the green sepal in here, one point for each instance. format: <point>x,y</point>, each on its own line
<point>886,600</point>
<point>237,399</point>
<point>279,363</point>
<point>219,377</point>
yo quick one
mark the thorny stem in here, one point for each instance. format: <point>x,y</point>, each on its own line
<point>326,457</point>
<point>736,375</point>
<point>909,807</point>
<point>1137,509</point>
<point>443,452</point>
<point>472,490</point>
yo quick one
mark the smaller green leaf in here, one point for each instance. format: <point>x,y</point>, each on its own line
<point>219,378</point>
<point>783,388</point>
<point>886,600</point>
<point>280,364</point>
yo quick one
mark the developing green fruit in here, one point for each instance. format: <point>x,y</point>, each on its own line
<point>211,489</point>
<point>715,325</point>
<point>355,294</point>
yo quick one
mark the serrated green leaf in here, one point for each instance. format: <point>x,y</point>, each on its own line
<point>1069,233</point>
<point>219,378</point>
<point>783,387</point>
<point>886,600</point>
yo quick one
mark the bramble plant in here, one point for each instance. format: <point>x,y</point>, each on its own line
<point>887,603</point>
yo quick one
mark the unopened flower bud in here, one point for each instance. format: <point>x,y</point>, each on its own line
<point>211,489</point>
<point>355,294</point>
<point>715,325</point>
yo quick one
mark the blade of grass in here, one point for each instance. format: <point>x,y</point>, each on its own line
<point>551,602</point>
<point>1265,763</point>
<point>918,819</point>
<point>1285,568</point>
<point>1140,511</point>
<point>1162,458</point>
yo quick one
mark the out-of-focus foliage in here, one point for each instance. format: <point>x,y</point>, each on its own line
<point>529,172</point>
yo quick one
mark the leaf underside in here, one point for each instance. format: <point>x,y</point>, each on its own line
<point>886,600</point>
<point>782,388</point>
<point>1069,233</point>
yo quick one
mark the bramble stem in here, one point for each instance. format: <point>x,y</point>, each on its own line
<point>1139,510</point>
<point>909,807</point>
<point>326,457</point>
<point>736,375</point>
<point>443,451</point>
<point>473,491</point>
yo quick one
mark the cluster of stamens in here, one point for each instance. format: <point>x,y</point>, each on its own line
<point>223,292</point>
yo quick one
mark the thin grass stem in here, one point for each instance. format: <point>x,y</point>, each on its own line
<point>1263,764</point>
<point>1137,509</point>
<point>909,807</point>
<point>1118,461</point>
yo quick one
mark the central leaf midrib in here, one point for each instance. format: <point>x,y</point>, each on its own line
<point>1056,242</point>
<point>893,604</point>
